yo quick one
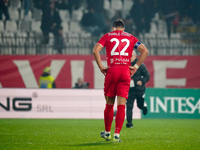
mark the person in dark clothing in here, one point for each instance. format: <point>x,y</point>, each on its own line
<point>51,20</point>
<point>59,43</point>
<point>4,9</point>
<point>88,21</point>
<point>137,91</point>
<point>141,15</point>
<point>81,84</point>
<point>170,14</point>
<point>94,22</point>
<point>39,4</point>
<point>73,5</point>
<point>46,80</point>
<point>97,5</point>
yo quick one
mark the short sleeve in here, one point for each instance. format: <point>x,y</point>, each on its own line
<point>102,41</point>
<point>136,43</point>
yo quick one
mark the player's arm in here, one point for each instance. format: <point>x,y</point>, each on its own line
<point>144,52</point>
<point>96,52</point>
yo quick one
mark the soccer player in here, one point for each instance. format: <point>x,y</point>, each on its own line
<point>137,91</point>
<point>119,47</point>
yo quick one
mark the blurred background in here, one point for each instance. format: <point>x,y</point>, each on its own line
<point>60,35</point>
<point>29,27</point>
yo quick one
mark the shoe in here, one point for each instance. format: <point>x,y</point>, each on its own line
<point>145,110</point>
<point>107,137</point>
<point>116,139</point>
<point>129,125</point>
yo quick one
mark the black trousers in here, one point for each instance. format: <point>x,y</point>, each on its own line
<point>130,104</point>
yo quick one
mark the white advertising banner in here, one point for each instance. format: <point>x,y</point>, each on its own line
<point>54,103</point>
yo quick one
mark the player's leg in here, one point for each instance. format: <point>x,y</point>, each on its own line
<point>122,90</point>
<point>120,116</point>
<point>108,117</point>
<point>129,109</point>
<point>109,112</point>
<point>111,79</point>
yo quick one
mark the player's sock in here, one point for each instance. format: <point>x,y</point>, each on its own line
<point>119,119</point>
<point>116,134</point>
<point>108,117</point>
<point>107,132</point>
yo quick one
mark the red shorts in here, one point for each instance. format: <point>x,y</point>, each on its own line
<point>117,81</point>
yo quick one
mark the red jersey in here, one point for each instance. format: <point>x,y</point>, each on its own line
<point>119,47</point>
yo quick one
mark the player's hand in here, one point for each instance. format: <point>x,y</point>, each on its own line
<point>133,70</point>
<point>104,70</point>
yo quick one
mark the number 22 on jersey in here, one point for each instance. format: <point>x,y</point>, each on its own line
<point>122,52</point>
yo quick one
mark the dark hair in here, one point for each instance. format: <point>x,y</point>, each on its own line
<point>118,23</point>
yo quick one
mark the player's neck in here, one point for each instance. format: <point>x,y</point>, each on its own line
<point>118,29</point>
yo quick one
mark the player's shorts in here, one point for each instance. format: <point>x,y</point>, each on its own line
<point>117,81</point>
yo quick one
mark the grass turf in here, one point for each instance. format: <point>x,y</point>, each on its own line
<point>156,134</point>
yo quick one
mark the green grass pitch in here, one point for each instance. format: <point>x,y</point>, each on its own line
<point>70,134</point>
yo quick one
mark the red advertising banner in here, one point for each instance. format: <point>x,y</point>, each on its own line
<point>24,71</point>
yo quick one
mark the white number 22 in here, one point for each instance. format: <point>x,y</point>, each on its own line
<point>122,52</point>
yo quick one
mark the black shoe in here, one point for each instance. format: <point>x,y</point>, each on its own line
<point>129,125</point>
<point>145,110</point>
